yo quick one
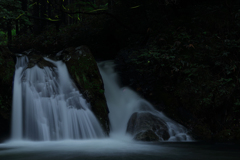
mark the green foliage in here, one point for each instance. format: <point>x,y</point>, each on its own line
<point>3,38</point>
<point>85,66</point>
<point>6,68</point>
<point>84,7</point>
<point>195,68</point>
<point>5,102</point>
<point>13,32</point>
<point>10,10</point>
<point>204,73</point>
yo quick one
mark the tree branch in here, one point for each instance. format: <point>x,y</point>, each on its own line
<point>43,19</point>
<point>108,14</point>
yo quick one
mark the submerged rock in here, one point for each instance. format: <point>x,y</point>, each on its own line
<point>145,126</point>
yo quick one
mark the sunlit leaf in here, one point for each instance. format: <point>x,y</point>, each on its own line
<point>70,16</point>
<point>20,15</point>
<point>53,19</point>
<point>135,7</point>
<point>32,5</point>
<point>98,10</point>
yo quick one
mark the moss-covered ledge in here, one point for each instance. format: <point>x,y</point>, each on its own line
<point>85,73</point>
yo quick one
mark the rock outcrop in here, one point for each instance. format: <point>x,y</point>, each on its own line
<point>84,71</point>
<point>145,126</point>
<point>35,58</point>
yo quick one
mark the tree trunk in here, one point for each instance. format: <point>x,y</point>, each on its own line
<point>49,10</point>
<point>110,4</point>
<point>22,26</point>
<point>17,27</point>
<point>36,28</point>
<point>43,11</point>
<point>9,30</point>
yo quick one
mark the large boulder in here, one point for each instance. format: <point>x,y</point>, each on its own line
<point>145,126</point>
<point>83,69</point>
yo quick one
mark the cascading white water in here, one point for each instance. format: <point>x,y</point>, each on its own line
<point>17,99</point>
<point>123,102</point>
<point>48,106</point>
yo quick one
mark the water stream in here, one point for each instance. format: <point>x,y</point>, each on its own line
<point>123,102</point>
<point>52,121</point>
<point>48,106</point>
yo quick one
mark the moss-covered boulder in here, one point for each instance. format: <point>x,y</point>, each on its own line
<point>145,126</point>
<point>84,71</point>
<point>6,79</point>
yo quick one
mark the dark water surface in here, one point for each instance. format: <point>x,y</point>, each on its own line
<point>109,149</point>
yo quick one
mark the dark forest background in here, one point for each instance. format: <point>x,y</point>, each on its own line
<point>181,55</point>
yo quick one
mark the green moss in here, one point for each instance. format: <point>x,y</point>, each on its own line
<point>84,71</point>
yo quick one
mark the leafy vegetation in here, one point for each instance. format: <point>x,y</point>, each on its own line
<point>196,72</point>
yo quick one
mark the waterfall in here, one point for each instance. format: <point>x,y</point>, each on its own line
<point>123,102</point>
<point>17,99</point>
<point>48,106</point>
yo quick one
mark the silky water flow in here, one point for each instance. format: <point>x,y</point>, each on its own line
<point>48,106</point>
<point>123,102</point>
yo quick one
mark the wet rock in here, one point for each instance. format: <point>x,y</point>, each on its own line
<point>148,135</point>
<point>36,58</point>
<point>84,71</point>
<point>145,126</point>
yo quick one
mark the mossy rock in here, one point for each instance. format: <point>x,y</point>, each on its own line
<point>85,73</point>
<point>148,135</point>
<point>145,126</point>
<point>36,58</point>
